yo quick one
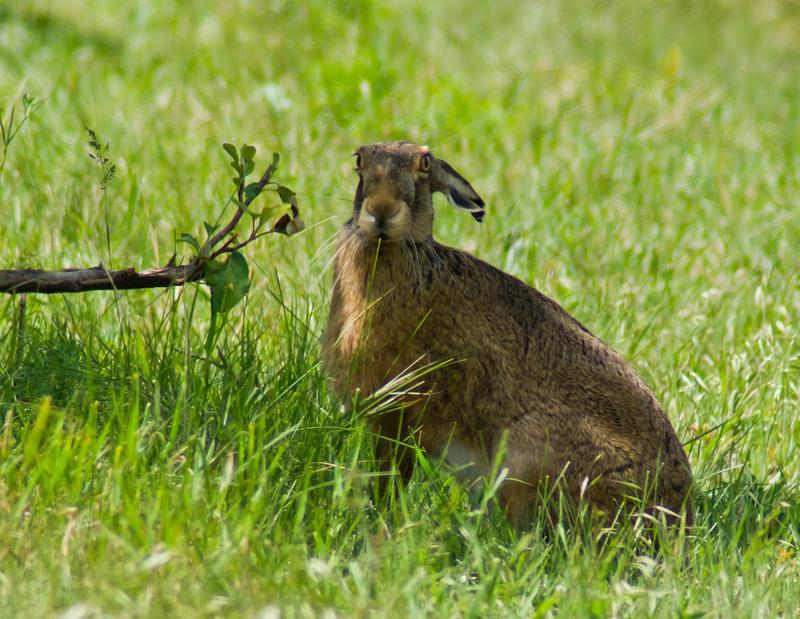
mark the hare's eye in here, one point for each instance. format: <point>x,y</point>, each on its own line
<point>358,161</point>
<point>425,163</point>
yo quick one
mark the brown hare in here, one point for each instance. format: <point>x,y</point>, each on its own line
<point>526,378</point>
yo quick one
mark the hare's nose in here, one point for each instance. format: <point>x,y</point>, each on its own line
<point>382,211</point>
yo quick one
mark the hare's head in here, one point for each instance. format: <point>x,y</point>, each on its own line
<point>393,200</point>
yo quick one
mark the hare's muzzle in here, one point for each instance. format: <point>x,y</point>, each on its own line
<point>382,217</point>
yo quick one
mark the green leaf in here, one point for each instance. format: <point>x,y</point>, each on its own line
<point>29,103</point>
<point>240,173</point>
<point>267,213</point>
<point>188,238</point>
<point>210,230</point>
<point>248,152</point>
<point>284,193</point>
<point>229,282</point>
<point>272,166</point>
<point>231,150</point>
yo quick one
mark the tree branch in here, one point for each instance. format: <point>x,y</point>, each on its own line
<point>99,278</point>
<point>96,278</point>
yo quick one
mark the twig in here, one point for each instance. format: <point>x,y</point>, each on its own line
<point>240,211</point>
<point>253,236</point>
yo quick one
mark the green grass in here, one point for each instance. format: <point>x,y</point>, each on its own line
<point>640,164</point>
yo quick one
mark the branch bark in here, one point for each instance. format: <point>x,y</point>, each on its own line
<point>96,278</point>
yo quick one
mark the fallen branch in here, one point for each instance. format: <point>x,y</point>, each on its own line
<point>96,278</point>
<point>223,242</point>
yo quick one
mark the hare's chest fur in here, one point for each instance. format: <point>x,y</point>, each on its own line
<point>376,310</point>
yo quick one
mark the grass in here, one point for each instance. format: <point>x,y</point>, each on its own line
<point>640,164</point>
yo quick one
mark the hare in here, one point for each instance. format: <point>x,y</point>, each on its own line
<point>527,381</point>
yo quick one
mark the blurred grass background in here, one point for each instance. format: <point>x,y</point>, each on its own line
<point>640,163</point>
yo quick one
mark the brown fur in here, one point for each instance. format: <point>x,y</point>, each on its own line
<point>525,371</point>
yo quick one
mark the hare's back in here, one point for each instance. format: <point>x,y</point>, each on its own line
<point>543,352</point>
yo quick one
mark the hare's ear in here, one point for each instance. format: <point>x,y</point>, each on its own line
<point>458,191</point>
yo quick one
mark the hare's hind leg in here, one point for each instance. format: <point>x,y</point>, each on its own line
<point>518,498</point>
<point>526,478</point>
<point>538,484</point>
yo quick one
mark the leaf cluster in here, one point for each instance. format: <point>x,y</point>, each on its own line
<point>229,279</point>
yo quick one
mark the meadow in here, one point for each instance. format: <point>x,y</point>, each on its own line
<point>640,164</point>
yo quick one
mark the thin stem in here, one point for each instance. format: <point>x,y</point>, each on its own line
<point>20,347</point>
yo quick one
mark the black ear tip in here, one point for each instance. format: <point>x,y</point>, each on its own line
<point>479,215</point>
